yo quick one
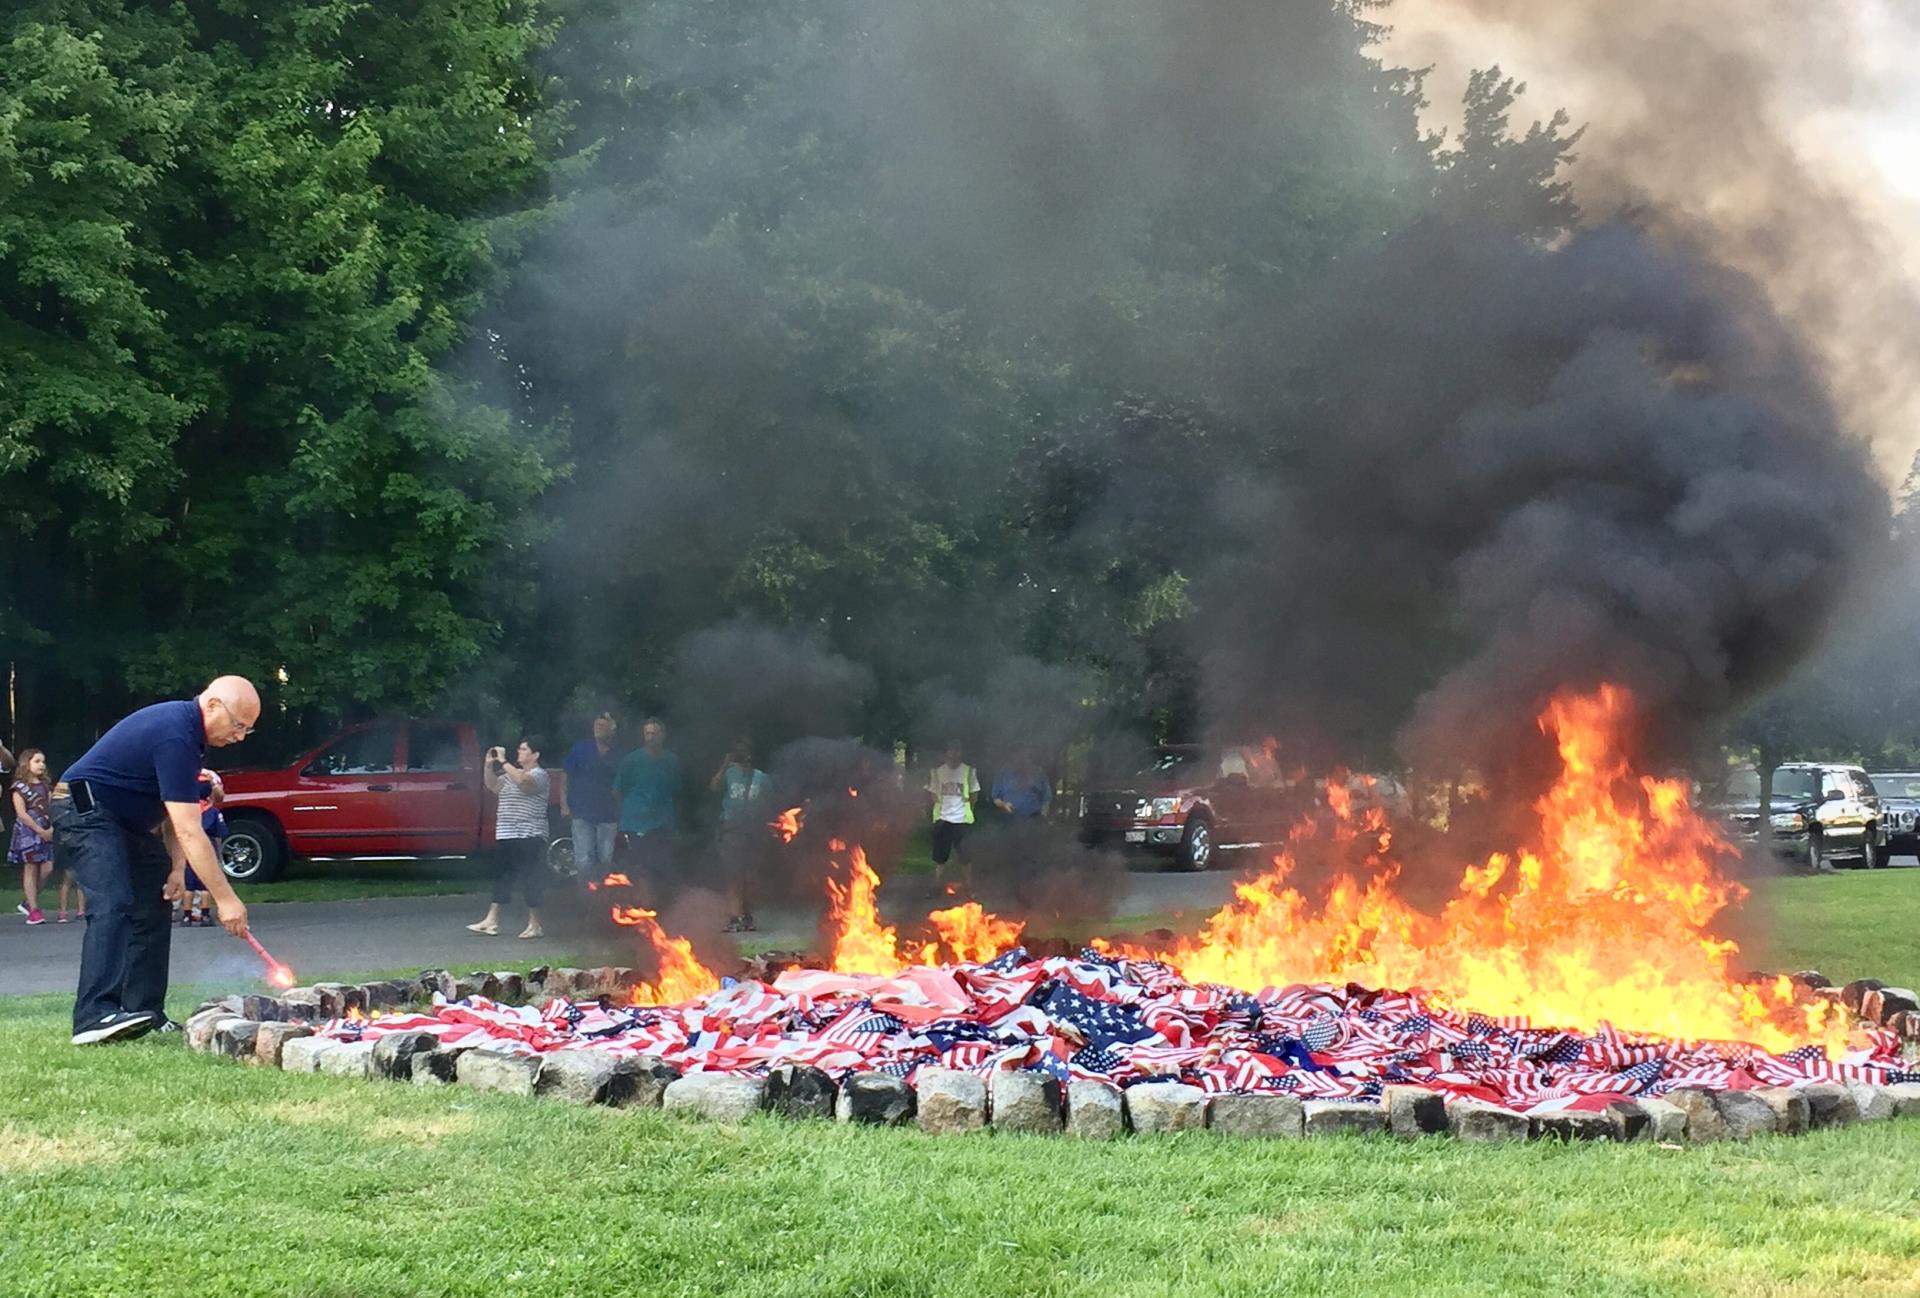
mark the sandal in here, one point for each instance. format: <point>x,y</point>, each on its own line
<point>490,930</point>
<point>532,930</point>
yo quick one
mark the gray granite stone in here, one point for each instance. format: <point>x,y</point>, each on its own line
<point>580,1076</point>
<point>394,1053</point>
<point>1704,1123</point>
<point>271,1041</point>
<point>801,1091</point>
<point>1875,1103</point>
<point>493,1070</point>
<point>304,1054</point>
<point>1338,1118</point>
<point>949,1101</point>
<point>1095,1110</point>
<point>1791,1114</point>
<point>876,1098</point>
<point>1414,1110</point>
<point>1746,1114</point>
<point>1830,1104</point>
<point>1669,1120</point>
<point>1257,1116</point>
<point>1570,1125</point>
<point>350,1059</point>
<point>1482,1123</point>
<point>1026,1101</point>
<point>717,1097</point>
<point>1165,1106</point>
<point>235,1037</point>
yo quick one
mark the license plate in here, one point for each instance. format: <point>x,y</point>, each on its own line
<point>1136,835</point>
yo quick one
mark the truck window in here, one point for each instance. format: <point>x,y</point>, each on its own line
<point>434,748</point>
<point>365,752</point>
<point>1863,785</point>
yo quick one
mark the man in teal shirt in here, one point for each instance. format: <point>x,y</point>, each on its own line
<point>646,784</point>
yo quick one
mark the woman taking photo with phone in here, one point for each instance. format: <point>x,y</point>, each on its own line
<point>519,833</point>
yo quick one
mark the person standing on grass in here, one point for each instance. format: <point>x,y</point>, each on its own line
<point>31,846</point>
<point>126,831</point>
<point>646,783</point>
<point>586,797</point>
<point>519,833</point>
<point>743,832</point>
<point>951,787</point>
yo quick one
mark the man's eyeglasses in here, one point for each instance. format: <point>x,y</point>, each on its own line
<point>238,724</point>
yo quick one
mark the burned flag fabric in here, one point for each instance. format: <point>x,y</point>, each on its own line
<point>1126,1022</point>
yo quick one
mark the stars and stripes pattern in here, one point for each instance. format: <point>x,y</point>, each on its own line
<point>1125,1022</point>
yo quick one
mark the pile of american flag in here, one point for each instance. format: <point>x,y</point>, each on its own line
<point>1131,1021</point>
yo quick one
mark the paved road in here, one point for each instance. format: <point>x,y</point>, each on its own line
<point>429,932</point>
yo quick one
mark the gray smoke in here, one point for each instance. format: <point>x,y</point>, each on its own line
<point>1436,477</point>
<point>1523,470</point>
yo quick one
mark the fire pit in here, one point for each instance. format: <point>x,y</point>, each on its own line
<point>1580,995</point>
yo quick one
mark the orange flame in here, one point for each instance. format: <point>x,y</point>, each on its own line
<point>681,977</point>
<point>281,976</point>
<point>969,933</point>
<point>616,881</point>
<point>355,1014</point>
<point>786,826</point>
<point>1604,920</point>
<point>860,943</point>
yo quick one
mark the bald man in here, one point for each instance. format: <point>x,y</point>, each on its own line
<point>127,829</point>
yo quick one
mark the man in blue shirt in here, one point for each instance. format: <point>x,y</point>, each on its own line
<point>127,830</point>
<point>647,781</point>
<point>1022,789</point>
<point>586,796</point>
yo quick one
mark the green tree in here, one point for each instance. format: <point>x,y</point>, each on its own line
<point>249,245</point>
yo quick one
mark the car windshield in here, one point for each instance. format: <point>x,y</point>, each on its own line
<point>1799,784</point>
<point>1900,785</point>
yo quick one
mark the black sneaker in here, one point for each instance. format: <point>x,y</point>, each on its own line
<point>166,1025</point>
<point>121,1026</point>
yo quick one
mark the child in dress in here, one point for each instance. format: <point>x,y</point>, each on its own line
<point>31,846</point>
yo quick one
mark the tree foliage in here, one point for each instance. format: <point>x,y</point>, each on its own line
<point>241,251</point>
<point>941,333</point>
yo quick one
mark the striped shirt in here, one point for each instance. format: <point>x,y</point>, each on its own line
<point>523,812</point>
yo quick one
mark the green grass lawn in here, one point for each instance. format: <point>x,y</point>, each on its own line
<point>1853,924</point>
<point>143,1169</point>
<point>305,880</point>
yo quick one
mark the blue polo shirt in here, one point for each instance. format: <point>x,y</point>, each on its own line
<point>151,757</point>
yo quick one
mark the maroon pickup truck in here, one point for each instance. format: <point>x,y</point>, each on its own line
<point>395,788</point>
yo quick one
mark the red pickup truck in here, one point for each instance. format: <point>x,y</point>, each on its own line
<point>396,788</point>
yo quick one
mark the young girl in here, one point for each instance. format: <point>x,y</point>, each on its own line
<point>31,847</point>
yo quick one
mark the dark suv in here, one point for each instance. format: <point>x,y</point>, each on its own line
<point>1191,803</point>
<point>1822,813</point>
<point>1899,810</point>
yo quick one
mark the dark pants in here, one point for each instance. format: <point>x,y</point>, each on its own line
<point>524,859</point>
<point>123,958</point>
<point>949,839</point>
<point>650,855</point>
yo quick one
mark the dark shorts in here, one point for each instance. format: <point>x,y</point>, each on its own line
<point>948,840</point>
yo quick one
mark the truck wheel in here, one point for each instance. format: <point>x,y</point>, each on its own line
<point>560,858</point>
<point>1871,857</point>
<point>253,852</point>
<point>1196,848</point>
<point>1817,859</point>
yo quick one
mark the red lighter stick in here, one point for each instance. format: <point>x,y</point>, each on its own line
<point>277,974</point>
